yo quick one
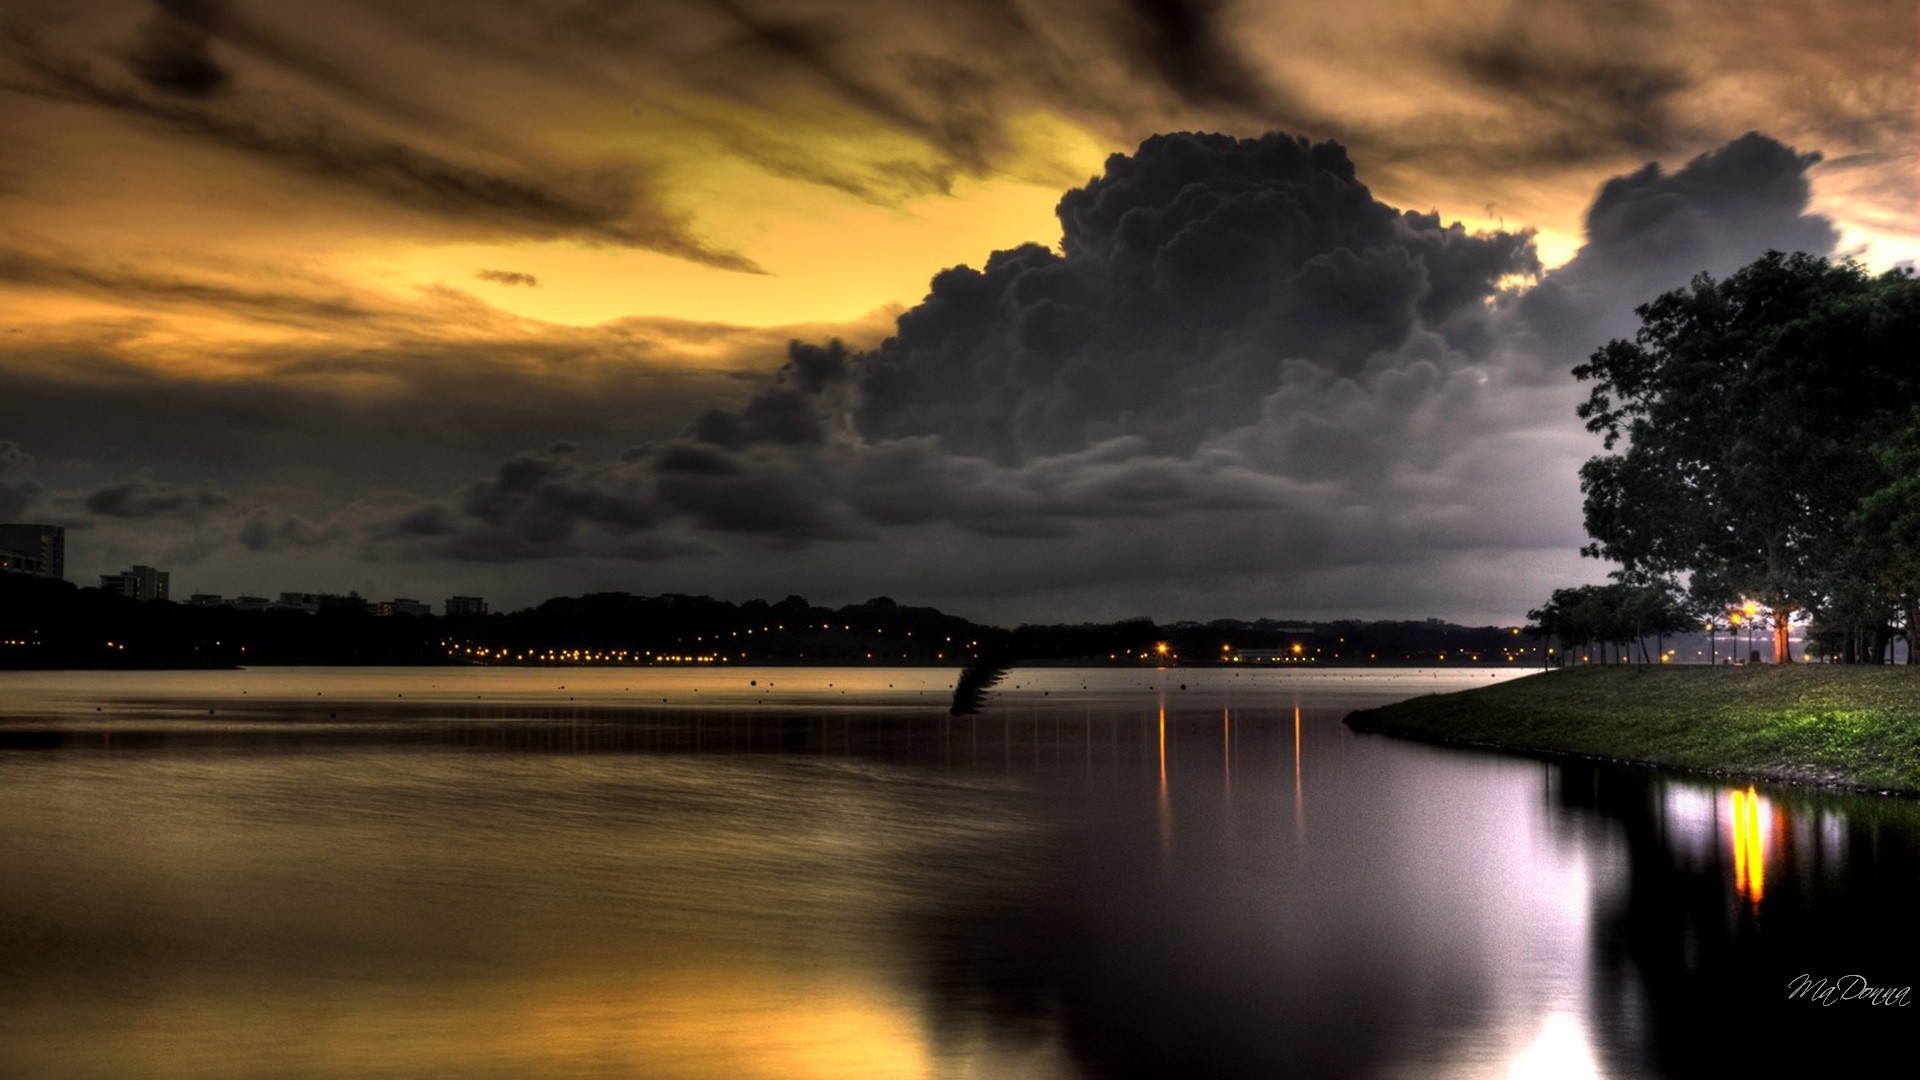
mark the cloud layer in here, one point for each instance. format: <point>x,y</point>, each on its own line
<point>459,295</point>
<point>1238,363</point>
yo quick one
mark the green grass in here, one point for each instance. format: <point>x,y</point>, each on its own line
<point>1852,727</point>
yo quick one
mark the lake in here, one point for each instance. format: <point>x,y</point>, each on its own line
<point>815,872</point>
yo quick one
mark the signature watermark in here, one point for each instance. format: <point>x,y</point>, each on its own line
<point>1846,988</point>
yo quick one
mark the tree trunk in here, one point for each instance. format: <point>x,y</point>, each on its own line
<point>1907,602</point>
<point>1782,649</point>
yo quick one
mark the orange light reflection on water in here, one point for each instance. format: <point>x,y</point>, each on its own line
<point>1299,794</point>
<point>1226,750</point>
<point>1166,806</point>
<point>1750,816</point>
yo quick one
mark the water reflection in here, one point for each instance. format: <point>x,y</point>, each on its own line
<point>1731,895</point>
<point>1750,817</point>
<point>489,878</point>
<point>1299,789</point>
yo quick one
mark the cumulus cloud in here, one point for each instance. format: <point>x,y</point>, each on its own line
<point>1189,273</point>
<point>1215,309</point>
<point>1239,378</point>
<point>1238,362</point>
<point>1652,230</point>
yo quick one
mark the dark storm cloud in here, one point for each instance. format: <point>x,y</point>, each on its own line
<point>538,505</point>
<point>601,206</point>
<point>141,499</point>
<point>1046,391</point>
<point>1714,209</point>
<point>408,398</point>
<point>18,489</point>
<point>787,411</point>
<point>1240,376</point>
<point>1190,273</point>
<point>1651,231</point>
<point>1239,367</point>
<point>508,277</point>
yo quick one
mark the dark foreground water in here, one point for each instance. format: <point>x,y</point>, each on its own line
<point>815,873</point>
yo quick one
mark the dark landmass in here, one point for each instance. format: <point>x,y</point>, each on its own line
<point>53,624</point>
<point>1845,726</point>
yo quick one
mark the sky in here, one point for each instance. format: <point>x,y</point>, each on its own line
<point>1033,311</point>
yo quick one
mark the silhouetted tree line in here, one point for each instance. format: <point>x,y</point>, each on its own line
<point>46,623</point>
<point>1614,617</point>
<point>1768,428</point>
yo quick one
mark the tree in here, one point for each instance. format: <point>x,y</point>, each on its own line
<point>1887,528</point>
<point>1620,614</point>
<point>1750,409</point>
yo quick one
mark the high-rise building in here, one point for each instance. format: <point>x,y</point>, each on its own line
<point>461,606</point>
<point>34,549</point>
<point>138,583</point>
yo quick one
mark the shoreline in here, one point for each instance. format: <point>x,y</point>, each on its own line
<point>1835,728</point>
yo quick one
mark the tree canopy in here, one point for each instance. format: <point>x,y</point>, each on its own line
<point>1618,614</point>
<point>1757,415</point>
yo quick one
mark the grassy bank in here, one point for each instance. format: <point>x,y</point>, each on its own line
<point>1805,724</point>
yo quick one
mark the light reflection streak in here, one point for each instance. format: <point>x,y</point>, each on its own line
<point>1166,805</point>
<point>1226,749</point>
<point>1299,793</point>
<point>1750,817</point>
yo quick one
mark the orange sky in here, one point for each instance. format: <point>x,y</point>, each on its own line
<point>347,202</point>
<point>815,141</point>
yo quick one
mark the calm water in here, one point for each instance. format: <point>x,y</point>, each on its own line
<point>816,873</point>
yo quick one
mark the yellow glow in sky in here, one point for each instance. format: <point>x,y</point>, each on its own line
<point>829,258</point>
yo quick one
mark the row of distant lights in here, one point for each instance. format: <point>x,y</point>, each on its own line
<point>116,646</point>
<point>456,650</point>
<point>573,656</point>
<point>848,627</point>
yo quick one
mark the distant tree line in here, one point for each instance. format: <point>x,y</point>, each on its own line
<point>53,624</point>
<point>1764,447</point>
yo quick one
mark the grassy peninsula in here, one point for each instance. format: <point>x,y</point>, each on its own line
<point>1836,726</point>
